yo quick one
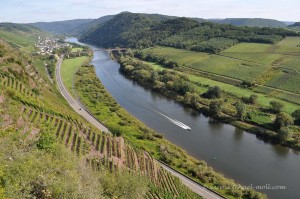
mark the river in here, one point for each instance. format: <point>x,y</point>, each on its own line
<point>237,154</point>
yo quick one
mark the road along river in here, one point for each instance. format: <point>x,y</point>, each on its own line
<point>236,154</point>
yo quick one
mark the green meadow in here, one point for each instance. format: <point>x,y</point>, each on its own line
<point>69,68</point>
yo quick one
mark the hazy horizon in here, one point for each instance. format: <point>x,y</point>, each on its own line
<point>20,11</point>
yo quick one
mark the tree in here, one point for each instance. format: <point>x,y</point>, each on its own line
<point>276,106</point>
<point>215,107</point>
<point>296,115</point>
<point>283,120</point>
<point>253,99</point>
<point>283,134</point>
<point>240,110</point>
<point>213,93</point>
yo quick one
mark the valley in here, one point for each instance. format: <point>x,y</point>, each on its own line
<point>173,107</point>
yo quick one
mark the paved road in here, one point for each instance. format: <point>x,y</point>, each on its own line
<point>73,103</point>
<point>197,188</point>
<point>194,186</point>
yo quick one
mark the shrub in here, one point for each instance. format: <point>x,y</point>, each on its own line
<point>283,120</point>
<point>276,106</point>
<point>251,100</point>
<point>213,93</point>
<point>296,115</point>
<point>215,107</point>
<point>46,141</point>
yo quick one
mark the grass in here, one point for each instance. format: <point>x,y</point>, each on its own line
<point>286,81</point>
<point>234,68</point>
<point>74,50</point>
<point>69,68</point>
<point>263,100</point>
<point>292,62</point>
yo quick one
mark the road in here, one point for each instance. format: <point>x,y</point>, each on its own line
<point>73,103</point>
<point>197,188</point>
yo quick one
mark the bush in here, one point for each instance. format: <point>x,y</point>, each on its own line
<point>215,107</point>
<point>276,106</point>
<point>283,134</point>
<point>296,115</point>
<point>251,100</point>
<point>46,141</point>
<point>283,120</point>
<point>213,93</point>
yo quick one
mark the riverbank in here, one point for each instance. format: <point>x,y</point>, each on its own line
<point>177,86</point>
<point>104,107</point>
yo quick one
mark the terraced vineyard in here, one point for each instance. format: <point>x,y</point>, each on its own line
<point>98,148</point>
<point>104,150</point>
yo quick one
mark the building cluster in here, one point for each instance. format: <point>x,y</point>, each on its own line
<point>46,46</point>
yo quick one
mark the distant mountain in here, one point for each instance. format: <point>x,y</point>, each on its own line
<point>81,26</point>
<point>297,24</point>
<point>61,27</point>
<point>252,22</point>
<point>288,23</point>
<point>11,27</point>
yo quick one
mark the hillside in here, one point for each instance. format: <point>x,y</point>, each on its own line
<point>20,35</point>
<point>61,27</point>
<point>140,31</point>
<point>71,159</point>
<point>252,22</point>
<point>81,26</point>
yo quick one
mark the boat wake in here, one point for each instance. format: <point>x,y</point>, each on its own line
<point>176,122</point>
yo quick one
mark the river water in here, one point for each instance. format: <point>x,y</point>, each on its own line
<point>238,155</point>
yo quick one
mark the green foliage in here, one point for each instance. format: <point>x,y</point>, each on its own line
<point>276,106</point>
<point>283,120</point>
<point>213,93</point>
<point>215,107</point>
<point>240,110</point>
<point>296,115</point>
<point>144,73</point>
<point>256,22</point>
<point>284,134</point>
<point>46,141</point>
<point>142,31</point>
<point>124,185</point>
<point>214,45</point>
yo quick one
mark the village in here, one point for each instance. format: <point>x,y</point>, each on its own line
<point>47,45</point>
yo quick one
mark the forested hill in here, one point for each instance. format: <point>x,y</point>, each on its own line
<point>141,31</point>
<point>252,22</point>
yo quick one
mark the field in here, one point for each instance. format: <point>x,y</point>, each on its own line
<point>69,68</point>
<point>74,50</point>
<point>276,66</point>
<point>263,99</point>
<point>222,65</point>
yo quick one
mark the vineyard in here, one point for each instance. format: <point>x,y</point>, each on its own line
<point>96,148</point>
<point>104,150</point>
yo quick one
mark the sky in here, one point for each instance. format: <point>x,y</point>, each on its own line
<point>26,11</point>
